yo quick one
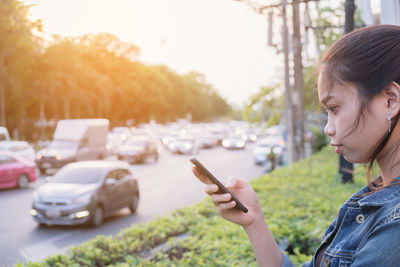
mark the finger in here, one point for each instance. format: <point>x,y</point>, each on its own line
<point>226,206</point>
<point>211,189</point>
<point>200,175</point>
<point>219,198</point>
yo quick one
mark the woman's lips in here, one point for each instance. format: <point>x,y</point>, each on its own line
<point>338,149</point>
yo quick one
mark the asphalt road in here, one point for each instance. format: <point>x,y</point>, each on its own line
<point>164,186</point>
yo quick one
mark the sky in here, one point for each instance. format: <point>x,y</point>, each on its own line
<point>223,39</point>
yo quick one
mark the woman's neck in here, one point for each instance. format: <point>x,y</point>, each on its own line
<point>389,160</point>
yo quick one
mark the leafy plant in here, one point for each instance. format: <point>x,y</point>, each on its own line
<point>299,201</point>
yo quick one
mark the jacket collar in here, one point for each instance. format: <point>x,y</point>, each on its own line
<point>378,198</point>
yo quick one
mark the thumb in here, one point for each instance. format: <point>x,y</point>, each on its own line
<point>236,183</point>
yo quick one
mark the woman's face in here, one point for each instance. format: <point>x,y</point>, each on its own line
<point>353,135</point>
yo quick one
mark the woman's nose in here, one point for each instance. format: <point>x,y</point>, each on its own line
<point>329,129</point>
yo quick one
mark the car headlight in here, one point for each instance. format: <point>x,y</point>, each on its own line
<point>38,156</point>
<point>82,199</point>
<point>171,145</point>
<point>58,157</point>
<point>226,143</point>
<point>188,146</point>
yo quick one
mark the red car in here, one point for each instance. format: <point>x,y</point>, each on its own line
<point>16,171</point>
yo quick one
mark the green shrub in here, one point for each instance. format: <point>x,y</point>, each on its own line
<point>299,201</point>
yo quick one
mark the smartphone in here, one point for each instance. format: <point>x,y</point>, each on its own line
<point>222,188</point>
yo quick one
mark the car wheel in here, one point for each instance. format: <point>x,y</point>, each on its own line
<point>23,181</point>
<point>134,203</point>
<point>97,216</point>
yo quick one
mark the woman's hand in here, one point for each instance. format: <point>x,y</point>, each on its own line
<point>266,250</point>
<point>226,206</point>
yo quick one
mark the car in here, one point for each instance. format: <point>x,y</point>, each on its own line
<point>124,132</point>
<point>16,171</point>
<point>138,150</point>
<point>183,145</point>
<point>85,192</point>
<point>233,142</point>
<point>20,148</point>
<point>4,135</point>
<point>114,141</point>
<point>264,146</point>
<point>74,140</point>
<point>208,141</point>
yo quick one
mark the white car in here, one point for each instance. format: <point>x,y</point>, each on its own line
<point>183,145</point>
<point>234,142</point>
<point>264,147</point>
<point>21,148</point>
<point>4,135</point>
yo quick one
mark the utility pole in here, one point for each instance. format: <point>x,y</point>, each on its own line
<point>296,149</point>
<point>288,95</point>
<point>2,104</point>
<point>349,8</point>
<point>298,81</point>
<point>345,167</point>
<point>2,89</point>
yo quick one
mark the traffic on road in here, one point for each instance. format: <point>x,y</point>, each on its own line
<point>84,191</point>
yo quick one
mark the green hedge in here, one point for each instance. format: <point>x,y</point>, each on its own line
<point>299,202</point>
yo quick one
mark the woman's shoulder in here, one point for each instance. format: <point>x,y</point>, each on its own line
<point>386,202</point>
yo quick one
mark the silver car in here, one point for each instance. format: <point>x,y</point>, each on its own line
<point>85,192</point>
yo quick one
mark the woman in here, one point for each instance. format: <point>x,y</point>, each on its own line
<point>358,85</point>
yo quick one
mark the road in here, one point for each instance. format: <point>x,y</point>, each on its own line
<point>164,186</point>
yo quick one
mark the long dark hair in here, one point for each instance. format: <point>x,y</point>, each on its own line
<point>368,58</point>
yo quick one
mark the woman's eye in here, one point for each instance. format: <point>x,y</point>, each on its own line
<point>331,109</point>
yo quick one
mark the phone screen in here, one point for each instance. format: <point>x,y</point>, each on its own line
<point>222,188</point>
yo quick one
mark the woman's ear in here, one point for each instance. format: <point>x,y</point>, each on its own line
<point>392,95</point>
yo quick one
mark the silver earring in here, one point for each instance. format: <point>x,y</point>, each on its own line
<point>389,118</point>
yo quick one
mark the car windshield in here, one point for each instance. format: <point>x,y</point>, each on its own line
<point>63,144</point>
<point>140,143</point>
<point>18,146</point>
<point>76,175</point>
<point>183,141</point>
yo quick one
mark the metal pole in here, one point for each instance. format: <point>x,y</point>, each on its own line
<point>2,103</point>
<point>349,8</point>
<point>346,167</point>
<point>2,94</point>
<point>288,96</point>
<point>298,80</point>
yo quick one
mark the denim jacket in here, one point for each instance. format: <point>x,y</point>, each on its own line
<point>366,232</point>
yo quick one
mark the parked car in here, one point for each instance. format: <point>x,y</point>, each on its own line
<point>208,141</point>
<point>4,135</point>
<point>138,150</point>
<point>20,148</point>
<point>233,142</point>
<point>183,145</point>
<point>16,171</point>
<point>74,140</point>
<point>114,141</point>
<point>264,147</point>
<point>124,132</point>
<point>85,192</point>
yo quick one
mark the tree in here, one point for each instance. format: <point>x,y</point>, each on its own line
<point>17,47</point>
<point>266,105</point>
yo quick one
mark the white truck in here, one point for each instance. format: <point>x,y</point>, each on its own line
<point>74,140</point>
